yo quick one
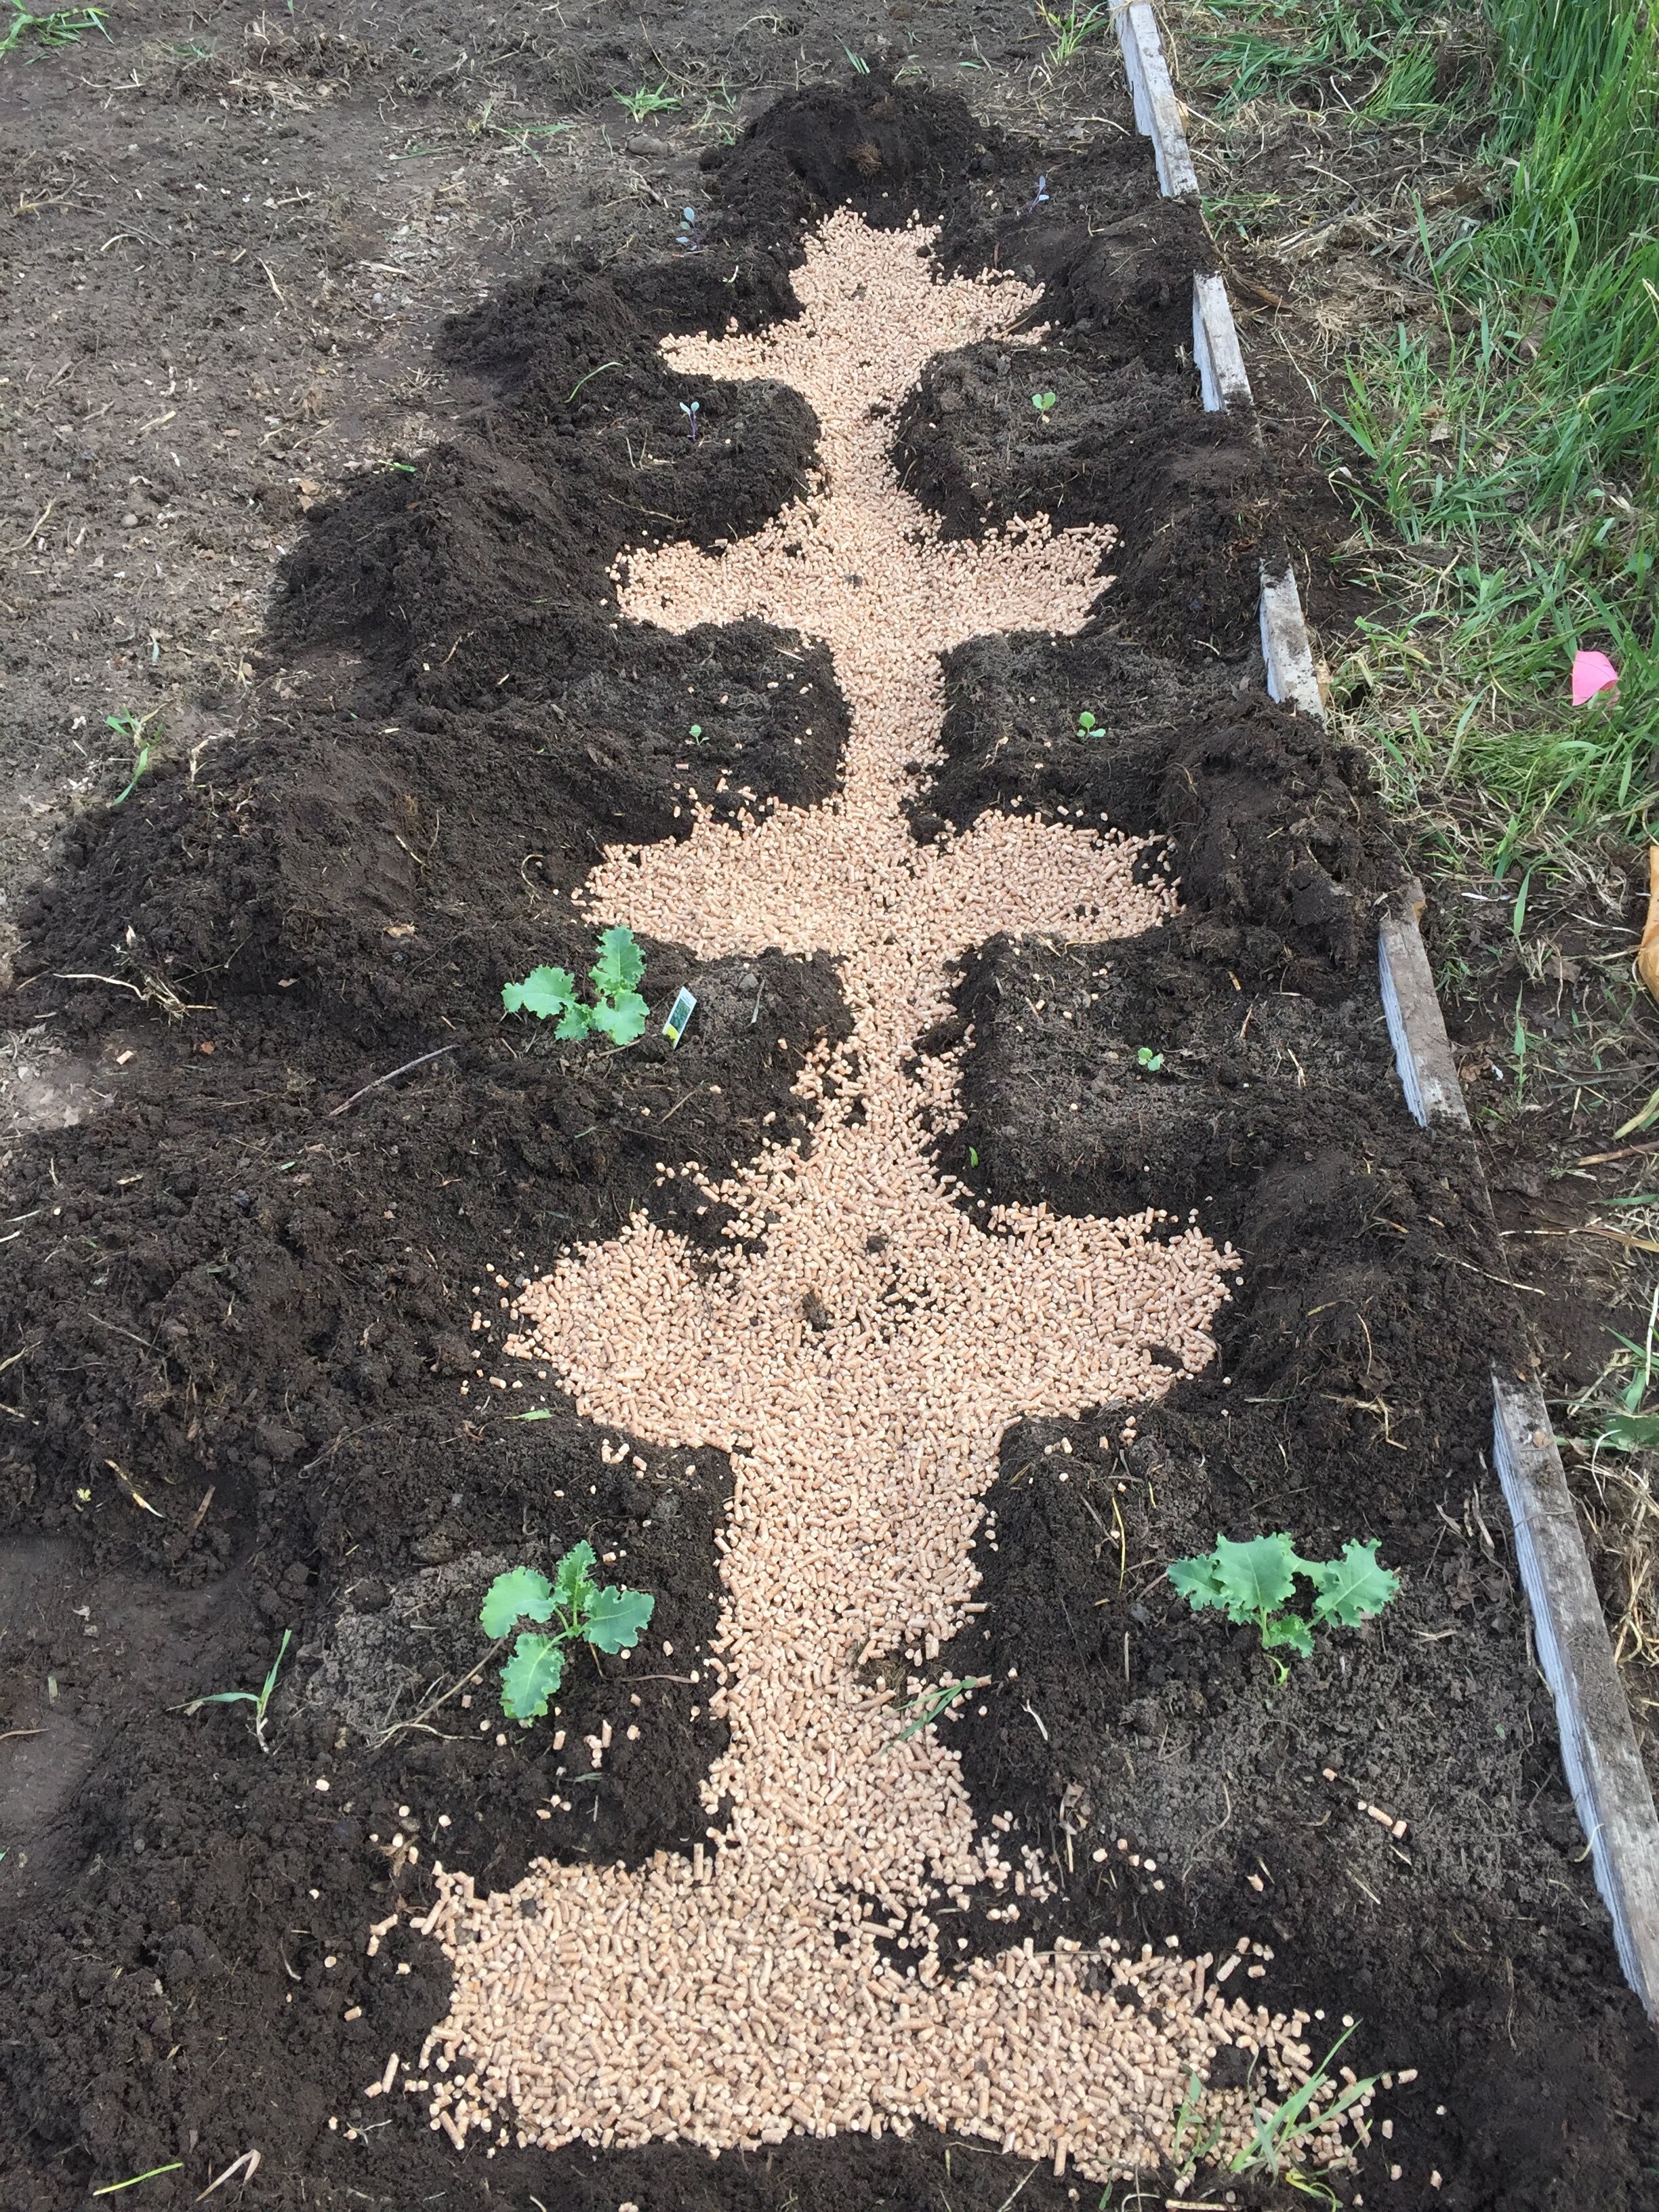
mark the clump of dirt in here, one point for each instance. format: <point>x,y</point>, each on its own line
<point>1275,835</point>
<point>1123,442</point>
<point>1151,1770</point>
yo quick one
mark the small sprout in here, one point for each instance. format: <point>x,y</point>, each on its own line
<point>1087,726</point>
<point>857,60</point>
<point>1150,1061</point>
<point>972,1158</point>
<point>934,1702</point>
<point>131,726</point>
<point>691,409</point>
<point>1255,1581</point>
<point>1044,402</point>
<point>687,238</point>
<point>695,733</point>
<point>648,101</point>
<point>609,1619</point>
<point>618,1012</point>
<point>259,1699</point>
<point>1040,198</point>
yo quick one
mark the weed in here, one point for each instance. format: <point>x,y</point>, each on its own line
<point>259,1699</point>
<point>588,378</point>
<point>934,1702</point>
<point>609,1619</point>
<point>646,102</point>
<point>1073,29</point>
<point>63,28</point>
<point>1087,726</point>
<point>691,409</point>
<point>132,728</point>
<point>1148,1061</point>
<point>1044,402</point>
<point>1283,2131</point>
<point>860,64</point>
<point>1254,1581</point>
<point>618,1012</point>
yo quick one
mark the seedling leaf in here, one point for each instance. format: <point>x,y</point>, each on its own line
<point>1353,1587</point>
<point>1631,1432</point>
<point>1254,1578</point>
<point>521,1593</point>
<point>1290,1629</point>
<point>616,1618</point>
<point>530,1676</point>
<point>544,992</point>
<point>1196,1580</point>
<point>621,1019</point>
<point>573,1585</point>
<point>620,964</point>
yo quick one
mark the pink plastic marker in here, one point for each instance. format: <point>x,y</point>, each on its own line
<point>1592,673</point>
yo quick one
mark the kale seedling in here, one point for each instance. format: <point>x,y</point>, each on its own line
<point>1044,402</point>
<point>1149,1061</point>
<point>687,238</point>
<point>1041,198</point>
<point>1254,1581</point>
<point>618,1012</point>
<point>691,409</point>
<point>579,1611</point>
<point>1087,726</point>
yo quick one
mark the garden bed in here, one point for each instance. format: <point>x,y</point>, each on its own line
<point>253,1396</point>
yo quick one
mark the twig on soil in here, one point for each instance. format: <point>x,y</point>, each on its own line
<point>249,2160</point>
<point>27,538</point>
<point>426,1711</point>
<point>392,1076</point>
<point>1015,2190</point>
<point>1491,1278</point>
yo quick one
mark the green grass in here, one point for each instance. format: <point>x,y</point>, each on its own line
<point>1504,452</point>
<point>62,27</point>
<point>1379,60</point>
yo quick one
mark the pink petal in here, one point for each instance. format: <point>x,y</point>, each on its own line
<point>1592,673</point>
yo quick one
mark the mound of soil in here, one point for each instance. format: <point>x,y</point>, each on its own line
<point>253,1301</point>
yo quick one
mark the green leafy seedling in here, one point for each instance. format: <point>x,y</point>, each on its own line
<point>132,728</point>
<point>1149,1059</point>
<point>1254,1581</point>
<point>259,1699</point>
<point>1087,726</point>
<point>1044,402</point>
<point>578,1611</point>
<point>618,1012</point>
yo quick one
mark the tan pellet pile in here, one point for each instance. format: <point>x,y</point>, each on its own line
<point>860,1353</point>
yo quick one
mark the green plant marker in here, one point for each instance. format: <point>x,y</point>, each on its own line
<point>678,1015</point>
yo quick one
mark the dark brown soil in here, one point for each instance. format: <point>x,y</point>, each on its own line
<point>243,1390</point>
